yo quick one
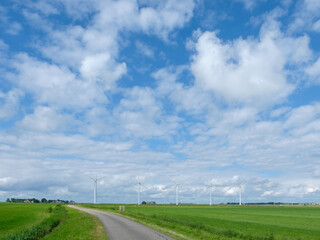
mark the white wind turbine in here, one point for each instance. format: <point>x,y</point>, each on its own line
<point>139,188</point>
<point>95,181</point>
<point>176,187</point>
<point>211,190</point>
<point>240,194</point>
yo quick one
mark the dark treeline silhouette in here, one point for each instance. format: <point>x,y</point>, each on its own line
<point>34,200</point>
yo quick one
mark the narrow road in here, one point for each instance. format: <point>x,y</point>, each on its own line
<point>121,228</point>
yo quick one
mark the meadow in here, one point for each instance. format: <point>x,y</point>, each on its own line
<point>226,222</point>
<point>16,217</point>
<point>47,221</point>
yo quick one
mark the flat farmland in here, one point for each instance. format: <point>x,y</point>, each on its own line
<point>226,222</point>
<point>15,217</point>
<point>29,221</point>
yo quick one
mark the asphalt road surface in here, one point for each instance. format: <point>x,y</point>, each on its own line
<point>121,228</point>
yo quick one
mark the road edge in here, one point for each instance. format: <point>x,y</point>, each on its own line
<point>170,233</point>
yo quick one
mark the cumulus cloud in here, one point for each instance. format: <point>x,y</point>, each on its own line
<point>54,85</point>
<point>46,119</point>
<point>307,14</point>
<point>188,98</point>
<point>314,72</point>
<point>9,103</point>
<point>251,71</point>
<point>102,69</point>
<point>141,115</point>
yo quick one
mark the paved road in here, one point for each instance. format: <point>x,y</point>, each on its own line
<point>121,228</point>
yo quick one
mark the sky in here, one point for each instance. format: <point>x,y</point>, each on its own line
<point>198,92</point>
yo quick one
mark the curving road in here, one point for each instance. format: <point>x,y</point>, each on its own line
<point>121,228</point>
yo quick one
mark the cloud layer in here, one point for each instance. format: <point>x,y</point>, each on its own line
<point>137,90</point>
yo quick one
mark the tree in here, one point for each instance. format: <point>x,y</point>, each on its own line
<point>43,200</point>
<point>8,200</point>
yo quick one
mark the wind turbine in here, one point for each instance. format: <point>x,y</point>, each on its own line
<point>139,187</point>
<point>240,192</point>
<point>211,189</point>
<point>176,187</point>
<point>95,181</point>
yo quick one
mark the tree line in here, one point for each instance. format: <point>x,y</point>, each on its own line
<point>34,200</point>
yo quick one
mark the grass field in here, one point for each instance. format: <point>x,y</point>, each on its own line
<point>78,225</point>
<point>228,222</point>
<point>16,218</point>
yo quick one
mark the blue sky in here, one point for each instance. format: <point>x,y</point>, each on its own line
<point>200,92</point>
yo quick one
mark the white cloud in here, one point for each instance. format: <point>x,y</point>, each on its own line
<point>279,111</point>
<point>141,115</point>
<point>101,68</point>
<point>316,26</point>
<point>14,28</point>
<point>251,71</point>
<point>144,49</point>
<point>55,85</point>
<point>314,72</point>
<point>43,6</point>
<point>300,116</point>
<point>306,14</point>
<point>46,119</point>
<point>9,103</point>
<point>190,99</point>
<point>166,16</point>
<point>250,4</point>
<point>3,46</point>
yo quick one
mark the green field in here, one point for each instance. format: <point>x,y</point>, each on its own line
<point>21,218</point>
<point>227,222</point>
<point>78,225</point>
<point>16,217</point>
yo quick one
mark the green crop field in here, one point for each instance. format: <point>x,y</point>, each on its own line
<point>227,222</point>
<point>15,217</point>
<point>20,219</point>
<point>79,225</point>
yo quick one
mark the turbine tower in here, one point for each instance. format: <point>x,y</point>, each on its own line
<point>176,187</point>
<point>95,183</point>
<point>139,188</point>
<point>211,187</point>
<point>240,191</point>
<point>139,184</point>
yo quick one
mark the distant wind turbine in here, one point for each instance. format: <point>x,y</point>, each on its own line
<point>240,192</point>
<point>176,187</point>
<point>211,189</point>
<point>95,181</point>
<point>139,187</point>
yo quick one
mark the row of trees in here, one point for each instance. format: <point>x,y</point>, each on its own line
<point>34,200</point>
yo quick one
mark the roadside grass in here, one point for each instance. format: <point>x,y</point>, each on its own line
<point>47,221</point>
<point>78,225</point>
<point>57,215</point>
<point>16,217</point>
<point>228,222</point>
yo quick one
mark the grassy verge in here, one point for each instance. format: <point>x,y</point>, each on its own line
<point>227,222</point>
<point>78,225</point>
<point>58,213</point>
